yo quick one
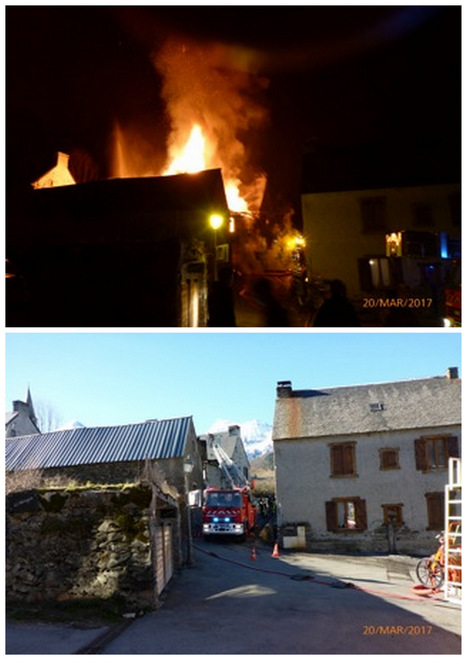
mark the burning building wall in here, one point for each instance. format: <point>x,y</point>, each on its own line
<point>121,252</point>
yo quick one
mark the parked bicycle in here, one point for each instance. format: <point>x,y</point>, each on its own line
<point>431,571</point>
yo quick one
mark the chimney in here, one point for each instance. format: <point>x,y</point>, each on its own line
<point>21,406</point>
<point>284,389</point>
<point>452,373</point>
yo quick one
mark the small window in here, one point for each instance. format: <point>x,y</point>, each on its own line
<point>392,513</point>
<point>422,215</point>
<point>433,452</point>
<point>435,510</point>
<point>373,214</point>
<point>343,459</point>
<point>389,459</point>
<point>346,514</point>
<point>374,407</point>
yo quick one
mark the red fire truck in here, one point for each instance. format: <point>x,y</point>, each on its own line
<point>228,512</point>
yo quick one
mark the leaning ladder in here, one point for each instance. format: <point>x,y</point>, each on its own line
<point>453,533</point>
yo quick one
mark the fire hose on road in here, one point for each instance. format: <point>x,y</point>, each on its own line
<point>336,584</point>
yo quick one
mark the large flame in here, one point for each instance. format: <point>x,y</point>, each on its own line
<point>189,158</point>
<point>193,157</point>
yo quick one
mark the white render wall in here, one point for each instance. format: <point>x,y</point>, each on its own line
<point>304,485</point>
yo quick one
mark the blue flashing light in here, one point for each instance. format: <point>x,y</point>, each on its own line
<point>444,245</point>
<point>226,519</point>
<point>215,519</point>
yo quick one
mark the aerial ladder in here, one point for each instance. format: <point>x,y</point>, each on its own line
<point>231,473</point>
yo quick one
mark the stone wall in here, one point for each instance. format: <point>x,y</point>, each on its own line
<point>82,543</point>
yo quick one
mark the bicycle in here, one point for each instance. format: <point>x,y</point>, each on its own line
<point>431,571</point>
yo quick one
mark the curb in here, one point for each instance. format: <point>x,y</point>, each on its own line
<point>97,645</point>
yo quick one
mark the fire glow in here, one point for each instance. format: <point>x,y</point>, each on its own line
<point>191,158</point>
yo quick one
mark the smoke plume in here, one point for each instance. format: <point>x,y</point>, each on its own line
<point>201,87</point>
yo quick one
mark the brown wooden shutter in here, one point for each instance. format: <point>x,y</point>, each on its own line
<point>453,446</point>
<point>331,516</point>
<point>389,458</point>
<point>360,514</point>
<point>349,467</point>
<point>337,464</point>
<point>420,454</point>
<point>435,510</point>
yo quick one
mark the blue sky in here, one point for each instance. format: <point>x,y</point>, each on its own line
<point>105,379</point>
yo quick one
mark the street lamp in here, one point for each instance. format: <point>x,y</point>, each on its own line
<point>188,469</point>
<point>216,221</point>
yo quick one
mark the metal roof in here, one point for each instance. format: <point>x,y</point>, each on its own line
<point>108,444</point>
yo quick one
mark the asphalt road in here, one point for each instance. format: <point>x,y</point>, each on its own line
<point>229,603</point>
<point>298,603</point>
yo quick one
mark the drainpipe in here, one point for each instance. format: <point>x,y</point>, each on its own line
<point>391,534</point>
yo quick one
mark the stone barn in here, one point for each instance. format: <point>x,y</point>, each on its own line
<point>118,522</point>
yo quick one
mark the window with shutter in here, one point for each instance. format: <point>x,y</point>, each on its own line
<point>343,459</point>
<point>389,459</point>
<point>346,514</point>
<point>433,452</point>
<point>420,455</point>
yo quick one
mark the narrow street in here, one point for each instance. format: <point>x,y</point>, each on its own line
<point>230,603</point>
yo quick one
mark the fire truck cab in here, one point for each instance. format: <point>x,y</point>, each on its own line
<point>228,511</point>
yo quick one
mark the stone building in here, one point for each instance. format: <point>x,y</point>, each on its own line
<point>22,420</point>
<point>352,460</point>
<point>232,444</point>
<point>158,458</point>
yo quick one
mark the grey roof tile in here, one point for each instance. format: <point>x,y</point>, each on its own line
<point>420,403</point>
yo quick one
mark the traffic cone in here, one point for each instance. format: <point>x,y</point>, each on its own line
<point>275,552</point>
<point>253,554</point>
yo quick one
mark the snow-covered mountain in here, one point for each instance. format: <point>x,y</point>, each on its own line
<point>256,435</point>
<point>72,424</point>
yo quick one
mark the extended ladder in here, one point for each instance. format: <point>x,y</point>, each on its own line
<point>230,471</point>
<point>453,533</point>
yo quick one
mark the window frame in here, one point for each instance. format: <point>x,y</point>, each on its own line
<point>385,451</point>
<point>332,520</point>
<point>373,214</point>
<point>399,519</point>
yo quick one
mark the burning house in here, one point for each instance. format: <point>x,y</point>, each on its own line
<point>116,252</point>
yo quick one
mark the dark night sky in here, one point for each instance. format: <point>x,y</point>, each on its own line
<point>340,75</point>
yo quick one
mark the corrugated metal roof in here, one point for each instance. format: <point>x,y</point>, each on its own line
<point>107,444</point>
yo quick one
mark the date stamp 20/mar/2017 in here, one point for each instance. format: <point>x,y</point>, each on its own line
<point>399,303</point>
<point>397,630</point>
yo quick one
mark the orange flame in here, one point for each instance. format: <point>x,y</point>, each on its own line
<point>191,157</point>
